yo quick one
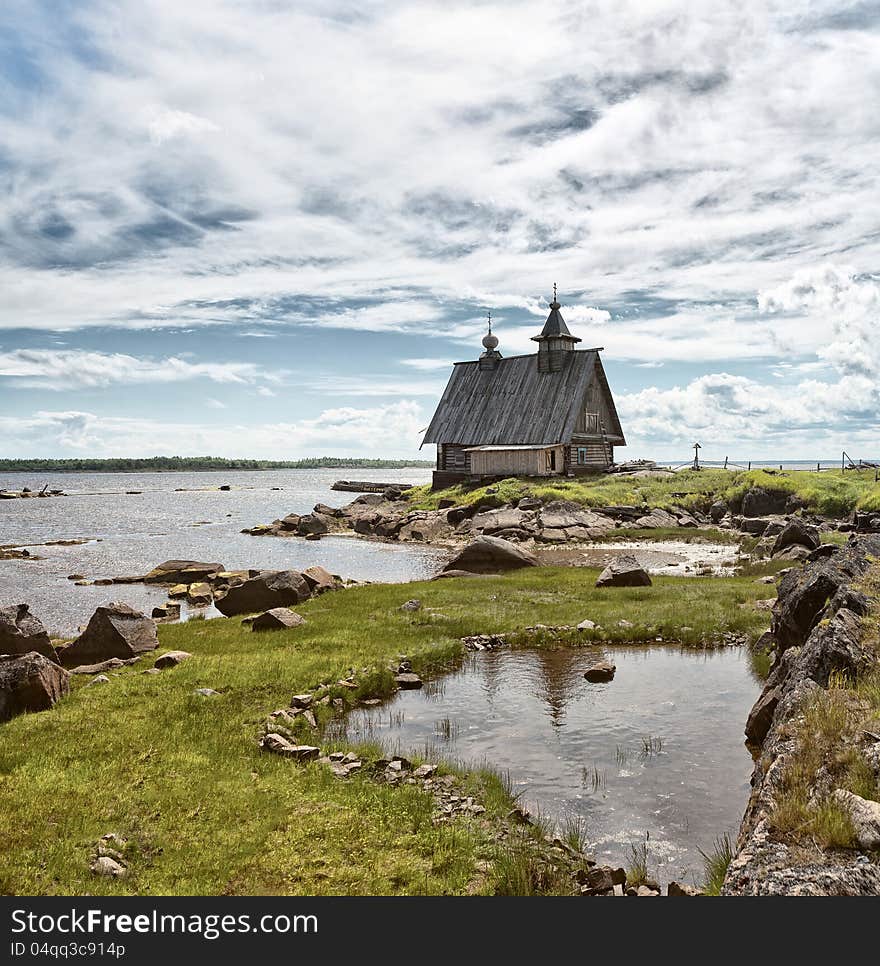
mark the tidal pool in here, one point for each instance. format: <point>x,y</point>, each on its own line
<point>655,757</point>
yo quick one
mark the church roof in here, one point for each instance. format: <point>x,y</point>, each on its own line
<point>555,325</point>
<point>515,404</point>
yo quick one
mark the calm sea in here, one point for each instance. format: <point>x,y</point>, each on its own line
<point>177,515</point>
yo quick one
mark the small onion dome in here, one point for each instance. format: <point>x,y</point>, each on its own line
<point>490,341</point>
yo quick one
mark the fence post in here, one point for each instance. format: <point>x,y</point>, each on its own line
<point>750,466</point>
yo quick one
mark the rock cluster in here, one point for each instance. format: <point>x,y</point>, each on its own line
<point>817,633</point>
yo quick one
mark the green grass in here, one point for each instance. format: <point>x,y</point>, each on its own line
<point>831,493</point>
<point>715,864</point>
<point>206,812</point>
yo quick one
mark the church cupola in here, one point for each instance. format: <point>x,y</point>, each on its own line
<point>491,357</point>
<point>555,341</point>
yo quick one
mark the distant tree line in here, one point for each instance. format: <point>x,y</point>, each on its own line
<point>170,464</point>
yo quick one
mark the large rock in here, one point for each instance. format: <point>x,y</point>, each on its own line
<point>865,817</point>
<point>277,619</point>
<point>759,502</point>
<point>30,682</point>
<point>624,571</point>
<point>600,671</point>
<point>506,518</point>
<point>319,579</point>
<point>565,514</point>
<point>115,630</point>
<point>799,534</point>
<point>21,633</point>
<point>491,555</point>
<point>183,572</point>
<point>272,588</point>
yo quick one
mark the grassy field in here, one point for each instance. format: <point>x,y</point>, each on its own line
<point>832,493</point>
<point>204,811</point>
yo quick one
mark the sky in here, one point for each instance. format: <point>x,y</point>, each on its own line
<point>266,229</point>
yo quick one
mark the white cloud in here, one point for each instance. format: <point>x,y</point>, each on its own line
<point>427,365</point>
<point>66,369</point>
<point>164,124</point>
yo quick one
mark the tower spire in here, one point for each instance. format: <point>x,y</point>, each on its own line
<point>555,341</point>
<point>489,359</point>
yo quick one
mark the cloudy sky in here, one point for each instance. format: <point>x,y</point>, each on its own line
<point>265,228</point>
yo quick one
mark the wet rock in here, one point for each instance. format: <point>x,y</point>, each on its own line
<point>178,590</point>
<point>30,682</point>
<point>22,633</point>
<point>600,671</point>
<point>312,525</point>
<point>797,533</point>
<point>182,572</point>
<point>272,588</point>
<point>171,659</point>
<point>408,681</point>
<point>169,611</point>
<point>491,555</point>
<point>115,630</point>
<point>199,594</point>
<point>277,619</point>
<point>76,576</point>
<point>624,571</point>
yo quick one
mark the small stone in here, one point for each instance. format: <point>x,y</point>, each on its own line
<point>104,865</point>
<point>151,670</point>
<point>681,889</point>
<point>301,701</point>
<point>586,625</point>
<point>206,692</point>
<point>645,891</point>
<point>600,671</point>
<point>310,718</point>
<point>424,771</point>
<point>171,659</point>
<point>98,679</point>
<point>178,590</point>
<point>411,605</point>
<point>408,682</point>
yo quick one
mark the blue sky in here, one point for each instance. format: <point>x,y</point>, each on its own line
<point>266,229</point>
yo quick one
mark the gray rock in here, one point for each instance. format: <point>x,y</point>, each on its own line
<point>30,682</point>
<point>759,502</point>
<point>491,555</point>
<point>206,692</point>
<point>797,533</point>
<point>865,817</point>
<point>98,679</point>
<point>411,605</point>
<point>587,625</point>
<point>319,579</point>
<point>277,619</point>
<point>115,630</point>
<point>279,745</point>
<point>624,571</point>
<point>111,664</point>
<point>107,866</point>
<point>22,633</point>
<point>270,589</point>
<point>171,659</point>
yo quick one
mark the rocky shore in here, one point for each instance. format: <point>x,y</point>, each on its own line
<point>389,516</point>
<point>812,731</point>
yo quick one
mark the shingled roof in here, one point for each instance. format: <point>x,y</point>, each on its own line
<point>514,403</point>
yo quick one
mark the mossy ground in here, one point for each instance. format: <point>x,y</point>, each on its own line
<point>833,493</point>
<point>206,812</point>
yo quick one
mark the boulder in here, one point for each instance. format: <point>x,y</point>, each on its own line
<point>565,514</point>
<point>279,745</point>
<point>319,579</point>
<point>759,502</point>
<point>506,518</point>
<point>182,572</point>
<point>718,511</point>
<point>199,594</point>
<point>111,664</point>
<point>411,605</point>
<point>600,671</point>
<point>178,590</point>
<point>115,630</point>
<point>793,552</point>
<point>270,589</point>
<point>797,533</point>
<point>30,682</point>
<point>865,817</point>
<point>312,525</point>
<point>408,681</point>
<point>171,659</point>
<point>169,611</point>
<point>624,571</point>
<point>277,619</point>
<point>21,633</point>
<point>491,555</point>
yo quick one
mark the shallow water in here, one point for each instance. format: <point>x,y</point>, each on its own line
<point>130,534</point>
<point>657,754</point>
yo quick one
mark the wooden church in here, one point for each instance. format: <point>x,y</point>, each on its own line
<point>546,414</point>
